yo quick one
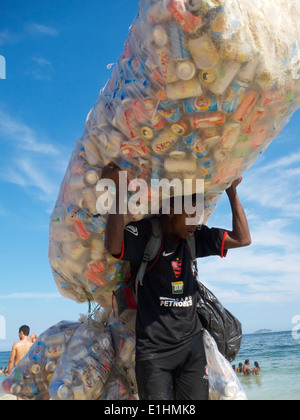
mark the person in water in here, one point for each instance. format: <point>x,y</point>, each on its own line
<point>240,368</point>
<point>246,369</point>
<point>256,370</point>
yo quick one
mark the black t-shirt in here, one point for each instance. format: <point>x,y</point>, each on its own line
<point>167,301</point>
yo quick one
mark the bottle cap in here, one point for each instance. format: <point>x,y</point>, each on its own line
<point>186,70</point>
<point>160,36</point>
<point>92,177</point>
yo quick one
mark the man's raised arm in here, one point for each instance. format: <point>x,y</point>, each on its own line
<point>114,232</point>
<point>240,235</point>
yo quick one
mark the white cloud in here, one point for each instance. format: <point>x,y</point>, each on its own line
<point>275,233</point>
<point>41,68</point>
<point>6,37</point>
<point>269,270</point>
<point>23,136</point>
<point>272,186</point>
<point>254,275</point>
<point>37,29</point>
<point>32,29</point>
<point>28,174</point>
<point>32,163</point>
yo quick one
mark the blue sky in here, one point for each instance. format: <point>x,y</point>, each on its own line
<point>57,54</point>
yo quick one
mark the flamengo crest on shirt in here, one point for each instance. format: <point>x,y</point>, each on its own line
<point>177,265</point>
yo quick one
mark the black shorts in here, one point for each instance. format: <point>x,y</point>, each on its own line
<point>182,376</point>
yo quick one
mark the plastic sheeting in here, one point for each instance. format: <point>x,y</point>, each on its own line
<point>200,91</point>
<point>31,377</point>
<point>223,382</point>
<point>89,360</point>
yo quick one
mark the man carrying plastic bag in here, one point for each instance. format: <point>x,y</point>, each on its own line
<point>201,90</point>
<point>170,357</point>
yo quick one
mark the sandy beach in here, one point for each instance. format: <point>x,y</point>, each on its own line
<point>8,398</point>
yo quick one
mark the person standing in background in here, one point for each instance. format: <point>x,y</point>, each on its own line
<point>20,348</point>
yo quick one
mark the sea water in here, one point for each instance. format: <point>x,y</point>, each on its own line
<point>4,357</point>
<point>278,355</point>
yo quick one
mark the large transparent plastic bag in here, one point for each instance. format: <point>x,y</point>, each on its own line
<point>31,377</point>
<point>97,363</point>
<point>124,344</point>
<point>223,382</point>
<point>200,91</point>
<point>90,359</point>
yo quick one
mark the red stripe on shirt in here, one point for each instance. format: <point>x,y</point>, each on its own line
<point>224,252</point>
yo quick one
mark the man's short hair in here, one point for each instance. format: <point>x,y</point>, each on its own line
<point>25,330</point>
<point>193,196</point>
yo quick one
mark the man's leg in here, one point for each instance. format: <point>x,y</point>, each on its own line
<point>191,380</point>
<point>154,380</point>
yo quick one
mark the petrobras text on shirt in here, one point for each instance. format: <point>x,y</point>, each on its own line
<point>176,303</point>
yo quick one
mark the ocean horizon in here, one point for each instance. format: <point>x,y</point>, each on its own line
<point>278,355</point>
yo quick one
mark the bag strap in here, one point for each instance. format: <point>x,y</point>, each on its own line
<point>191,242</point>
<point>151,250</point>
<point>153,247</point>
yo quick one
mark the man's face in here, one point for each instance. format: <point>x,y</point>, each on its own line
<point>180,225</point>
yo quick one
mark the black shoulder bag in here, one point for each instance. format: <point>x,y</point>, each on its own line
<point>218,321</point>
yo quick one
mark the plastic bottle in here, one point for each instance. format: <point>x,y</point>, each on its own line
<point>234,96</point>
<point>196,145</point>
<point>167,65</point>
<point>203,51</point>
<point>184,89</point>
<point>159,12</point>
<point>179,163</point>
<point>207,120</point>
<point>226,72</point>
<point>190,23</point>
<point>92,152</point>
<point>248,103</point>
<point>179,49</point>
<point>207,103</point>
